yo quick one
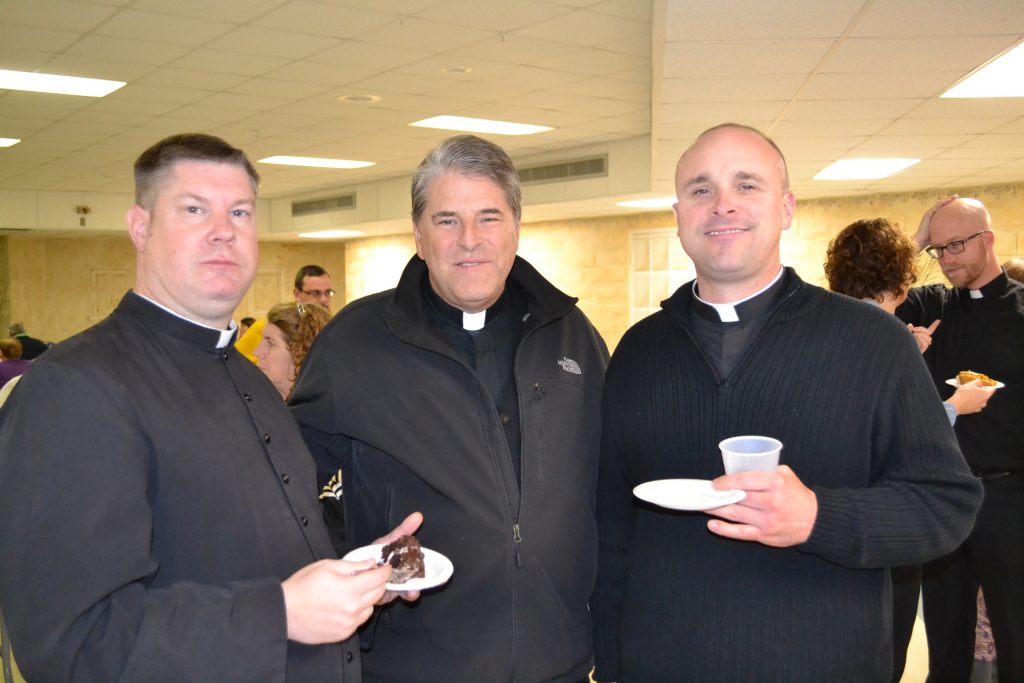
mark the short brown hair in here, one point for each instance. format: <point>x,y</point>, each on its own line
<point>870,257</point>
<point>155,163</point>
<point>10,348</point>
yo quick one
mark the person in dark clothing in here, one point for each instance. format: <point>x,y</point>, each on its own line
<point>31,348</point>
<point>194,549</point>
<point>470,392</point>
<point>982,329</point>
<point>791,583</point>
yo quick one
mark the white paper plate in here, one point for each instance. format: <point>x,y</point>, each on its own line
<point>686,494</point>
<point>952,381</point>
<point>437,567</point>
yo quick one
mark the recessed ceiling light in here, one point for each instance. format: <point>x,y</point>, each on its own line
<point>471,125</point>
<point>653,203</point>
<point>58,85</point>
<point>457,70</point>
<point>316,162</point>
<point>863,169</point>
<point>999,78</point>
<point>360,99</point>
<point>330,234</point>
<point>9,142</point>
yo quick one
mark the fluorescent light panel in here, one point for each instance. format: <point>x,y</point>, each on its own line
<point>57,85</point>
<point>330,234</point>
<point>863,169</point>
<point>9,142</point>
<point>470,125</point>
<point>999,78</point>
<point>653,203</point>
<point>316,162</point>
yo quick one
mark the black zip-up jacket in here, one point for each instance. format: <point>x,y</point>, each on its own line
<point>413,428</point>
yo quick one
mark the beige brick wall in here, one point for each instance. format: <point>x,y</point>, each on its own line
<point>60,286</point>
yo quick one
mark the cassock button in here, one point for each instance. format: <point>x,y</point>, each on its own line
<point>504,419</point>
<point>285,478</point>
<point>247,397</point>
<point>266,438</point>
<point>225,355</point>
<point>304,520</point>
<point>349,657</point>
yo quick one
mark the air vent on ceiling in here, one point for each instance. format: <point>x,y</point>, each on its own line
<point>573,169</point>
<point>345,201</point>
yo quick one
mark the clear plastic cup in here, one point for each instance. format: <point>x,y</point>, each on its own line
<point>746,453</point>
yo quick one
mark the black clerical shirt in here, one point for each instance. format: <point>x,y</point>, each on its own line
<point>725,341</point>
<point>490,351</point>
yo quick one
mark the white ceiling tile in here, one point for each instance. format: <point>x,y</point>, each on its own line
<point>280,89</point>
<point>323,20</point>
<point>593,61</point>
<point>591,29</point>
<point>410,32</point>
<point>937,108</point>
<point>192,78</point>
<point>746,20</point>
<point>513,48</point>
<point>229,62</point>
<point>373,58</point>
<point>887,84</point>
<point>331,75</point>
<point>163,28</point>
<point>93,67</point>
<point>234,12</point>
<point>55,14</point>
<point>492,16</point>
<point>34,39</point>
<point>951,53</point>
<point>743,58</point>
<point>115,48</point>
<point>730,88</point>
<point>270,42</point>
<point>627,9</point>
<point>159,93</point>
<point>941,18</point>
<point>849,109</point>
<point>956,126</point>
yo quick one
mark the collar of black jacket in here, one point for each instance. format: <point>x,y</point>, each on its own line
<point>544,301</point>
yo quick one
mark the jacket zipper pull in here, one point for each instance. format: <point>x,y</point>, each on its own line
<point>517,539</point>
<point>538,392</point>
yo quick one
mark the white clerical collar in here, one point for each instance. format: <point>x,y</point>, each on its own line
<point>727,312</point>
<point>225,335</point>
<point>976,294</point>
<point>474,321</point>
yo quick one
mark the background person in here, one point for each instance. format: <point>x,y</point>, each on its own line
<point>982,329</point>
<point>11,363</point>
<point>31,348</point>
<point>290,332</point>
<point>790,583</point>
<point>244,324</point>
<point>312,286</point>
<point>470,392</point>
<point>874,260</point>
<point>1015,268</point>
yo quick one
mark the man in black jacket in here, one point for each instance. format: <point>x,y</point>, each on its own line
<point>471,392</point>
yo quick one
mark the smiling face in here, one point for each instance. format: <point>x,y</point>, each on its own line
<point>468,236</point>
<point>275,359</point>
<point>733,205</point>
<point>197,243</point>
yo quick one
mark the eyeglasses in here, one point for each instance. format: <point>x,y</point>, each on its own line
<point>316,293</point>
<point>954,247</point>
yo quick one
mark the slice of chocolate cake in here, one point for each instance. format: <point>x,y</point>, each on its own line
<point>406,559</point>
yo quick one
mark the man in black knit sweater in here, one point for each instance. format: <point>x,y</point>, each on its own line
<point>982,329</point>
<point>790,584</point>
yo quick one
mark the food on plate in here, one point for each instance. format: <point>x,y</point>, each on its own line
<point>406,559</point>
<point>965,376</point>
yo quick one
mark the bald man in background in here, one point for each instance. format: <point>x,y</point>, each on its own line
<point>982,329</point>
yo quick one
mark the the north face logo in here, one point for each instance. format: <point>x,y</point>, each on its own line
<point>569,365</point>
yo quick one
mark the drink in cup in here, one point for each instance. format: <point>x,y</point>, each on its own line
<point>746,453</point>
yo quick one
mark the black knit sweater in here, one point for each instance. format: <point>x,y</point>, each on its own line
<point>844,388</point>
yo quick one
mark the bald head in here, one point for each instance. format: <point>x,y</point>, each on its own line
<point>738,127</point>
<point>963,219</point>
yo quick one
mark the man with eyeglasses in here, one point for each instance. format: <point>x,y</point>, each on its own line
<point>981,329</point>
<point>312,286</point>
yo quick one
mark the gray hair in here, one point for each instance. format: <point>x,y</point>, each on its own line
<point>471,156</point>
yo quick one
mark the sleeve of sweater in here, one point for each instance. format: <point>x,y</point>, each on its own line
<point>615,518</point>
<point>922,499</point>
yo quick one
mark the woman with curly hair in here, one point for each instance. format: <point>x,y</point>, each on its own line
<point>876,261</point>
<point>287,336</point>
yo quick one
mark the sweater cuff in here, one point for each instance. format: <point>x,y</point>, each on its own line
<point>835,536</point>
